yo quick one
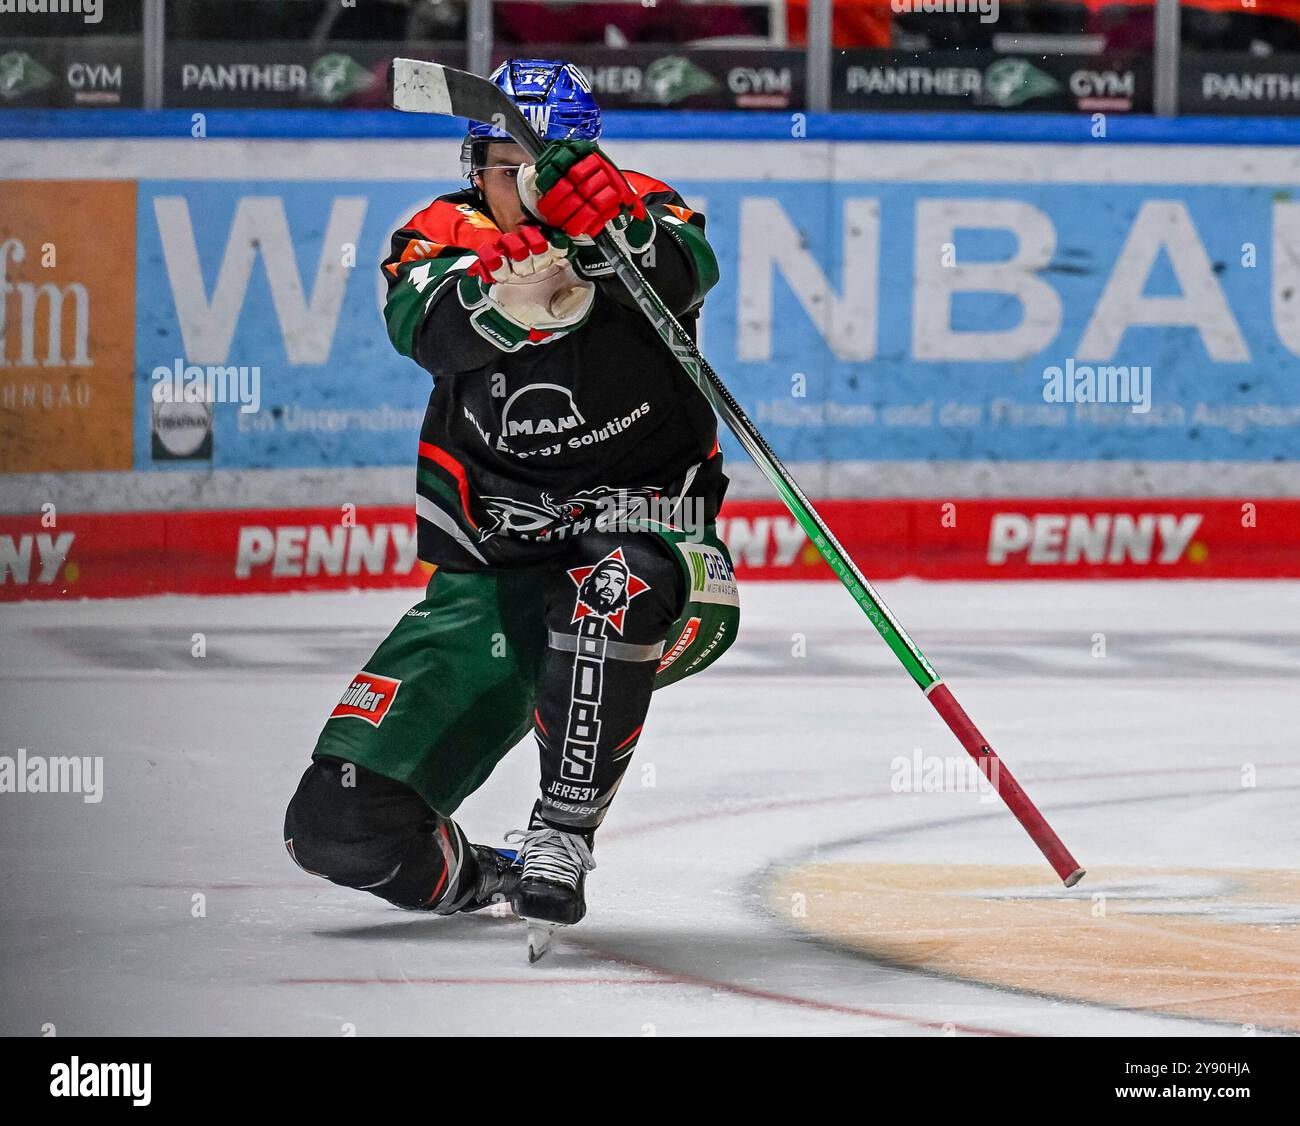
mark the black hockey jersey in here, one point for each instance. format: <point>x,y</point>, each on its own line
<point>522,450</point>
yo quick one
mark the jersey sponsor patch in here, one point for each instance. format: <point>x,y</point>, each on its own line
<point>689,634</point>
<point>712,576</point>
<point>368,697</point>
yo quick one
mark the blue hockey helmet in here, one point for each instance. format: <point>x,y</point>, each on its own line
<point>554,96</point>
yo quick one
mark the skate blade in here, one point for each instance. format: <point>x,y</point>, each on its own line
<point>540,935</point>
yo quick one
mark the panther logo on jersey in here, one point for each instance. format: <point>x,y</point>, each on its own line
<point>600,507</point>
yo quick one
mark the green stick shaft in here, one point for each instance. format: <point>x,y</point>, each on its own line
<point>823,539</point>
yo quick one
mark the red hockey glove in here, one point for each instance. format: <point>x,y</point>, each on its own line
<point>575,187</point>
<point>519,255</point>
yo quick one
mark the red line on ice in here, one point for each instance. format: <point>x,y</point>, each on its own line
<point>533,980</point>
<point>784,998</point>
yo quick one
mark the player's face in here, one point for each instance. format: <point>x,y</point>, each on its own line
<point>497,182</point>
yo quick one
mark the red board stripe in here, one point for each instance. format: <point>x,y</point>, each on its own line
<point>122,555</point>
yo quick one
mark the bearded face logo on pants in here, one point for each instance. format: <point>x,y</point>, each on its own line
<point>604,591</point>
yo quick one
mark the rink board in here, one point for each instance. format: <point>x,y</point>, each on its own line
<point>890,312</point>
<point>113,555</point>
<point>891,303</point>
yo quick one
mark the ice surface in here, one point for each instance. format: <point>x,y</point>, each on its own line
<point>1176,749</point>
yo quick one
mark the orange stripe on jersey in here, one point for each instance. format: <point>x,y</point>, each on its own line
<point>421,248</point>
<point>452,224</point>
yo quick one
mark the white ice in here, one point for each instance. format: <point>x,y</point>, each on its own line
<point>171,906</point>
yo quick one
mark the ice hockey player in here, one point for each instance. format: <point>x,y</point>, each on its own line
<point>567,484</point>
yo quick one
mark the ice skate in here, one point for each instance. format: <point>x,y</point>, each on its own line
<point>550,891</point>
<point>498,875</point>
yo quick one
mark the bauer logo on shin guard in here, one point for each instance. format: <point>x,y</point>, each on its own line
<point>368,697</point>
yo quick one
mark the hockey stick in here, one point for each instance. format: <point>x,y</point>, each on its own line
<point>422,87</point>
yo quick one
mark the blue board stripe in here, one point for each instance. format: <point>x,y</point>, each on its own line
<point>666,125</point>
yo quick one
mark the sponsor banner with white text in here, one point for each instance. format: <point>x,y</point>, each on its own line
<point>1136,304</point>
<point>978,78</point>
<point>240,74</point>
<point>1008,305</point>
<point>1025,538</point>
<point>115,555</point>
<point>85,72</point>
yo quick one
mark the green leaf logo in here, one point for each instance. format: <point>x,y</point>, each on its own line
<point>20,74</point>
<point>675,77</point>
<point>1012,82</point>
<point>697,571</point>
<point>336,76</point>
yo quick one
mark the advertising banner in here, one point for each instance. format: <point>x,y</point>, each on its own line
<point>1221,83</point>
<point>1023,314</point>
<point>675,78</point>
<point>963,319</point>
<point>67,325</point>
<point>124,555</point>
<point>85,72</point>
<point>1025,538</point>
<point>979,78</point>
<point>120,555</point>
<point>249,74</point>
